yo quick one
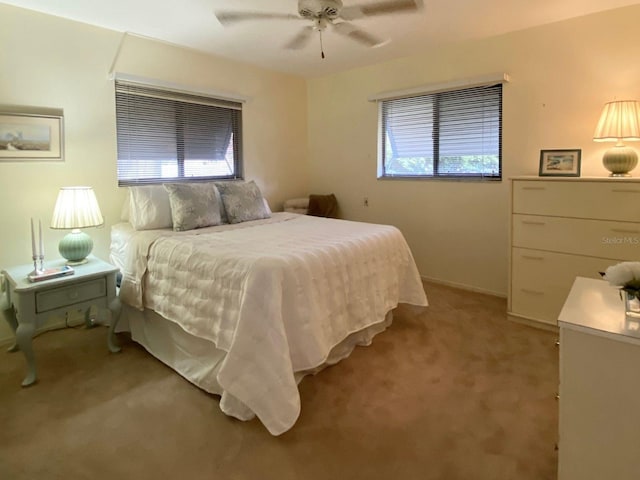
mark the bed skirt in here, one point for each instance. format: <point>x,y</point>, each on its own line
<point>198,360</point>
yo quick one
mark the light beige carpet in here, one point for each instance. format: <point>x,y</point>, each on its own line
<point>454,392</point>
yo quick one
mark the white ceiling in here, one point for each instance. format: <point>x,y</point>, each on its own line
<point>192,23</point>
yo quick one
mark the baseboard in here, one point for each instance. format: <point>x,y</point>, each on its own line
<point>463,286</point>
<point>530,322</point>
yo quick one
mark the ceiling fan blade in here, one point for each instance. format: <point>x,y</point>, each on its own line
<point>381,8</point>
<point>360,36</point>
<point>300,40</point>
<point>226,17</point>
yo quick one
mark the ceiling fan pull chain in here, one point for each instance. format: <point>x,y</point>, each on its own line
<point>321,47</point>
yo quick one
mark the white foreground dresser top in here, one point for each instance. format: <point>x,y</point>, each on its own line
<point>577,179</point>
<point>593,306</point>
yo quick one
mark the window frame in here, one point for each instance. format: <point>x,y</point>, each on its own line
<point>182,98</point>
<point>435,94</point>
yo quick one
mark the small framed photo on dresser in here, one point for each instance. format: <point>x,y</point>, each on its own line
<point>560,163</point>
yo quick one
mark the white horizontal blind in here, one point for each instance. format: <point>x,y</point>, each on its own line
<point>447,134</point>
<point>166,135</point>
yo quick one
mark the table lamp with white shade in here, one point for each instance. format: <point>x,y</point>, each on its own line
<point>76,208</point>
<point>619,121</point>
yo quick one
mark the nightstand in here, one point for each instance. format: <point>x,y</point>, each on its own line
<point>92,284</point>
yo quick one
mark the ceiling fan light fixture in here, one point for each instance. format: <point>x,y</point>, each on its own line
<point>323,13</point>
<point>319,8</point>
<point>320,24</point>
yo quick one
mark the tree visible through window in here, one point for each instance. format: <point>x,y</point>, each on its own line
<point>443,135</point>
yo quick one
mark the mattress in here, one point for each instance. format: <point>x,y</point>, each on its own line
<point>277,296</point>
<point>121,234</point>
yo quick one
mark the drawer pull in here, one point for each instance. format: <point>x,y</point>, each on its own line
<point>533,188</point>
<point>532,257</point>
<point>625,190</point>
<point>73,295</point>
<point>623,230</point>
<point>531,222</point>
<point>532,292</point>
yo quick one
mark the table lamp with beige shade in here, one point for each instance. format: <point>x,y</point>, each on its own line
<point>76,208</point>
<point>619,122</point>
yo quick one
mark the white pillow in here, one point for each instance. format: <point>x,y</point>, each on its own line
<point>149,207</point>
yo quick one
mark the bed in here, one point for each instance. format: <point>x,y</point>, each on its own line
<point>245,309</point>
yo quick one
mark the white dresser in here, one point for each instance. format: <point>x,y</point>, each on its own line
<point>562,228</point>
<point>599,424</point>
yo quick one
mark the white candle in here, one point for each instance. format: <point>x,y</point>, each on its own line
<point>40,237</point>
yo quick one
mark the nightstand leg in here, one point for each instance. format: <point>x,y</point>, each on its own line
<point>90,317</point>
<point>114,308</point>
<point>24,337</point>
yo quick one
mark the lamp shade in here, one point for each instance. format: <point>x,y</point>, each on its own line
<point>619,121</point>
<point>76,207</point>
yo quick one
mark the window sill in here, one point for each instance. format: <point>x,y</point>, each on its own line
<point>441,179</point>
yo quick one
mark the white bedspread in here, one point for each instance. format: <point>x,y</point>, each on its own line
<point>275,294</point>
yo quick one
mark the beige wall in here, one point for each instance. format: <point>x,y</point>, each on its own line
<point>50,62</point>
<point>562,74</point>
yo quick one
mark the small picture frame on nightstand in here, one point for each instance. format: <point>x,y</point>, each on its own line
<point>560,163</point>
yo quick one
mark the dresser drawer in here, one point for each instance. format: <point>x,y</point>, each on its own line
<point>542,306</point>
<point>65,296</point>
<point>614,240</point>
<point>610,200</point>
<point>540,281</point>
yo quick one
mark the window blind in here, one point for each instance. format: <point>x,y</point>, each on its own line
<point>446,134</point>
<point>165,135</point>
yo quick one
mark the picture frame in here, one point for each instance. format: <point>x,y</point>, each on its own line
<point>560,163</point>
<point>31,137</point>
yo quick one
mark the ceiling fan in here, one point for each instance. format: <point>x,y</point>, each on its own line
<point>326,13</point>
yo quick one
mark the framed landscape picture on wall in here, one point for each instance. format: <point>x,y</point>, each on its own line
<point>560,163</point>
<point>31,137</point>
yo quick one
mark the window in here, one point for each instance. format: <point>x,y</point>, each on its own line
<point>452,134</point>
<point>165,135</point>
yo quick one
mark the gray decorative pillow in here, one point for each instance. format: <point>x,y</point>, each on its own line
<point>193,205</point>
<point>242,201</point>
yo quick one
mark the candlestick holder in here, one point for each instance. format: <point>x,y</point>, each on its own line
<point>36,270</point>
<point>41,258</point>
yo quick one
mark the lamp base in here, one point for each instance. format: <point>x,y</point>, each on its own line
<point>75,247</point>
<point>73,263</point>
<point>620,160</point>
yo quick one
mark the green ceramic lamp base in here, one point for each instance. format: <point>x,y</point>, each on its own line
<point>75,247</point>
<point>620,160</point>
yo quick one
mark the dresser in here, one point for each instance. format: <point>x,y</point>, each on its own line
<point>562,228</point>
<point>599,425</point>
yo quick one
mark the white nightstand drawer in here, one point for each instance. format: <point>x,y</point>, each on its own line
<point>614,240</point>
<point>598,200</point>
<point>64,296</point>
